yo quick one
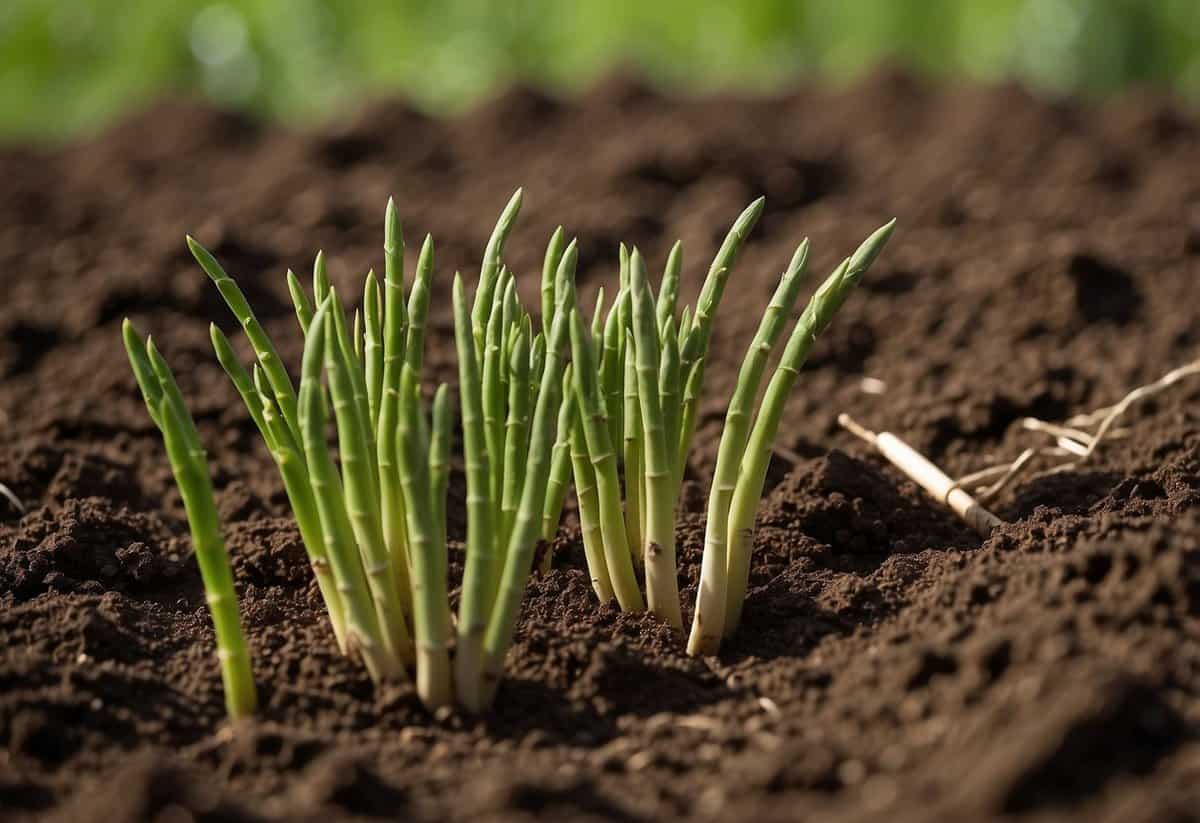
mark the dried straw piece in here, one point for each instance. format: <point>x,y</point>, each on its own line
<point>926,475</point>
<point>12,498</point>
<point>1070,437</point>
<point>1078,437</point>
<point>1007,473</point>
<point>1109,415</point>
<point>872,385</point>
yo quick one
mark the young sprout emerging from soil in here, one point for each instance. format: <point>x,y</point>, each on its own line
<point>638,378</point>
<point>711,624</point>
<point>511,393</point>
<point>185,453</point>
<point>374,528</point>
<point>374,523</point>
<point>423,461</point>
<point>709,620</point>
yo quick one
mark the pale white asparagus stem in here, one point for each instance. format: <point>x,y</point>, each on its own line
<point>925,474</point>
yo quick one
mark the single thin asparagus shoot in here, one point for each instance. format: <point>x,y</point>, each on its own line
<point>190,468</point>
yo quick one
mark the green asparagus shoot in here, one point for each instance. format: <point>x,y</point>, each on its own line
<point>603,459</point>
<point>431,611</point>
<point>613,408</point>
<point>643,398</point>
<point>749,486</point>
<point>363,631</point>
<point>395,338</point>
<point>709,620</point>
<point>360,486</point>
<point>662,588</point>
<point>289,458</point>
<point>264,349</point>
<point>190,468</point>
<point>522,542</point>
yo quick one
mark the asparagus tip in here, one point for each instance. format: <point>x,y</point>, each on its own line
<point>866,253</point>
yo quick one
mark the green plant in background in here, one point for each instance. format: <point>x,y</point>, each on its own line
<point>66,66</point>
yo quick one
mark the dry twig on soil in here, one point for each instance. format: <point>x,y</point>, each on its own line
<point>12,498</point>
<point>1071,438</point>
<point>926,475</point>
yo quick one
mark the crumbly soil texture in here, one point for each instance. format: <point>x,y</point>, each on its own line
<point>891,664</point>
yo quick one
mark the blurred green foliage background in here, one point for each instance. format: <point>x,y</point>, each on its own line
<point>67,65</point>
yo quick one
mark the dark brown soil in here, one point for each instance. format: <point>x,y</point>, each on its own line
<point>890,664</point>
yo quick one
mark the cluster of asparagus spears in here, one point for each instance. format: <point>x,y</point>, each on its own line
<point>609,409</point>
